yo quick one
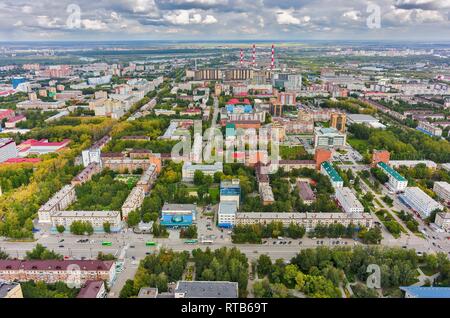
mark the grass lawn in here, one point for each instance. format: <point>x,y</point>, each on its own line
<point>359,144</point>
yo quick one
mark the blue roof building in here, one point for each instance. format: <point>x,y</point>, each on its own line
<point>230,190</point>
<point>178,215</point>
<point>227,214</point>
<point>328,169</point>
<point>426,292</point>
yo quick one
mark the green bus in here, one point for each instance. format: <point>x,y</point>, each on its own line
<point>150,244</point>
<point>106,243</point>
<point>191,241</point>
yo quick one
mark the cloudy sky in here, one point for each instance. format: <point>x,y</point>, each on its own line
<point>224,19</point>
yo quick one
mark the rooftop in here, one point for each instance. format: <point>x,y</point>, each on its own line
<point>227,207</point>
<point>52,265</point>
<point>305,191</point>
<point>6,287</point>
<point>332,173</point>
<point>361,118</point>
<point>179,207</point>
<point>91,289</point>
<point>391,171</point>
<point>207,289</point>
<point>427,292</point>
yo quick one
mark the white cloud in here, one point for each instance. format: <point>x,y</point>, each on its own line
<point>209,19</point>
<point>140,6</point>
<point>18,23</point>
<point>428,16</point>
<point>94,25</point>
<point>184,17</point>
<point>181,18</point>
<point>354,15</point>
<point>27,9</point>
<point>115,16</point>
<point>286,17</point>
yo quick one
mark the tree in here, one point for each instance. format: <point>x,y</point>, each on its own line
<point>198,177</point>
<point>60,228</point>
<point>190,232</point>
<point>279,291</point>
<point>128,290</point>
<point>42,253</point>
<point>105,257</point>
<point>3,254</point>
<point>290,275</point>
<point>107,227</point>
<point>371,236</point>
<point>208,274</point>
<point>261,289</point>
<point>264,265</point>
<point>81,228</point>
<point>147,217</point>
<point>133,218</point>
<point>88,228</point>
<point>218,176</point>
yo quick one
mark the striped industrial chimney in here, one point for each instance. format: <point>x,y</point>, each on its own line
<point>254,56</point>
<point>272,63</point>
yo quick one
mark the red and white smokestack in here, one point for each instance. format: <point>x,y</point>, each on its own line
<point>272,64</point>
<point>254,55</point>
<point>242,57</point>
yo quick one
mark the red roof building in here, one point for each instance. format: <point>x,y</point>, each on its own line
<point>40,147</point>
<point>93,289</point>
<point>52,271</point>
<point>6,113</point>
<point>21,160</point>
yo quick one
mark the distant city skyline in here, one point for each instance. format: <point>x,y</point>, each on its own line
<point>410,20</point>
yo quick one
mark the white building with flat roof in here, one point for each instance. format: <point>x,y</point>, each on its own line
<point>189,169</point>
<point>329,138</point>
<point>348,201</point>
<point>226,216</point>
<point>308,220</point>
<point>443,220</point>
<point>412,163</point>
<point>420,202</point>
<point>58,202</point>
<point>442,189</point>
<point>96,218</point>
<point>367,120</point>
<point>8,149</point>
<point>396,182</point>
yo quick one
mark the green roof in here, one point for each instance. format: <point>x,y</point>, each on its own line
<point>391,171</point>
<point>332,173</point>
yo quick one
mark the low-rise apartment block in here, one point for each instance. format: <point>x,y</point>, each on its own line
<point>442,189</point>
<point>443,220</point>
<point>397,182</point>
<point>420,202</point>
<point>52,271</point>
<point>96,218</point>
<point>348,201</point>
<point>328,169</point>
<point>60,201</point>
<point>307,220</point>
<point>209,170</point>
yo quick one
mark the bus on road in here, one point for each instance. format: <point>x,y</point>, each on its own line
<point>191,242</point>
<point>207,242</point>
<point>150,244</point>
<point>106,243</point>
